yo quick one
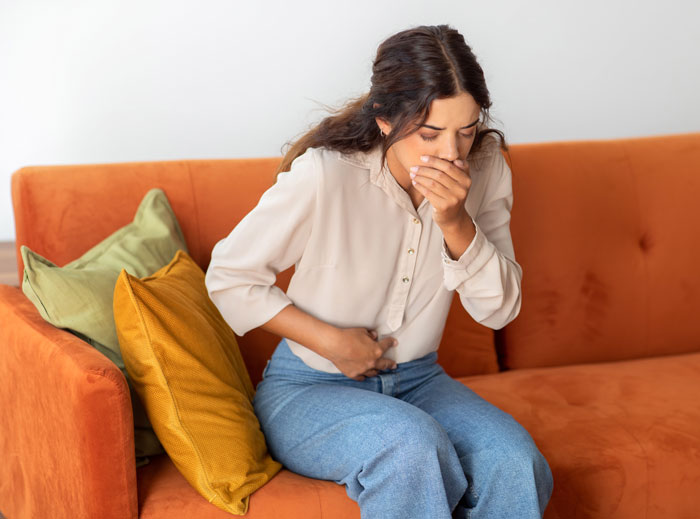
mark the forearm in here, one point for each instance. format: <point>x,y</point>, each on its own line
<point>487,280</point>
<point>299,326</point>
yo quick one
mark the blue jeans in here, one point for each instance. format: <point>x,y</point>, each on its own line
<point>408,443</point>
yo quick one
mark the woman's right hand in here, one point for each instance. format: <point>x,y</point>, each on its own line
<point>358,355</point>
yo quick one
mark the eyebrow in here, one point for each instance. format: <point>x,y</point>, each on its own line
<point>436,128</point>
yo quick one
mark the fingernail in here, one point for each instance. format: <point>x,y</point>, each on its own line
<point>424,158</point>
<point>413,168</point>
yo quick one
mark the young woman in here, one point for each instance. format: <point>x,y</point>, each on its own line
<point>385,209</point>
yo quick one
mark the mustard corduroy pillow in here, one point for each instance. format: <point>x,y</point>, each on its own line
<point>185,364</point>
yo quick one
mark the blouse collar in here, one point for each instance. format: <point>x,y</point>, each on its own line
<point>380,175</point>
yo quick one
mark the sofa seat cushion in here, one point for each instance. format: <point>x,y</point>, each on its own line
<point>620,438</point>
<point>164,493</point>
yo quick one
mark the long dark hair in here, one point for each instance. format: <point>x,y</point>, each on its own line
<point>411,68</point>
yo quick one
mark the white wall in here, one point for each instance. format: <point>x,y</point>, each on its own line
<point>97,81</point>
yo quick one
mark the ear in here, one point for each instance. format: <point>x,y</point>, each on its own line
<point>383,125</point>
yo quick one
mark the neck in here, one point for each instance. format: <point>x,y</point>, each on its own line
<point>398,172</point>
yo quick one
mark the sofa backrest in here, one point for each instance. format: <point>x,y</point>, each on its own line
<point>63,211</point>
<point>608,235</point>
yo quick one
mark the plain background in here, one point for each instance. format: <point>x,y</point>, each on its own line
<point>97,81</point>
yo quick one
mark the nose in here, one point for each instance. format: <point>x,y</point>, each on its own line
<point>450,151</point>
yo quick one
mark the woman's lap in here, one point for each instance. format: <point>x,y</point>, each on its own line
<point>327,426</point>
<point>481,433</point>
<point>325,430</point>
<point>471,422</point>
<point>319,399</point>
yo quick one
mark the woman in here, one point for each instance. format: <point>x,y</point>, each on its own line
<point>380,239</point>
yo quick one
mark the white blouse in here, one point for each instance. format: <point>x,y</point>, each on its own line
<point>364,256</point>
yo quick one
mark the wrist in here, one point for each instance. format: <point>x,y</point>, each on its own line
<point>458,237</point>
<point>458,226</point>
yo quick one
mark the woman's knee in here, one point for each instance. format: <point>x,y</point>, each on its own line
<point>511,440</point>
<point>525,452</point>
<point>413,428</point>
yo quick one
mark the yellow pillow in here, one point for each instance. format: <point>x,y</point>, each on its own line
<point>185,364</point>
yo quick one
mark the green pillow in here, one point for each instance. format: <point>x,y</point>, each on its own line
<point>79,295</point>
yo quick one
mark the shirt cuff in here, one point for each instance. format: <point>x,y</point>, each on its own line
<point>478,253</point>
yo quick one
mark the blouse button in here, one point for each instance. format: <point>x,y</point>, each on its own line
<point>411,251</point>
<point>405,279</point>
<point>416,220</point>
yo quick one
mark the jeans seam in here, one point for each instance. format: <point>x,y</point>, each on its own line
<point>473,492</point>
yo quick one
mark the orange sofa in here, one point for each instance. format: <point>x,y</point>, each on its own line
<point>602,365</point>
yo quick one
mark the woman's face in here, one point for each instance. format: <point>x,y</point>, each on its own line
<point>448,133</point>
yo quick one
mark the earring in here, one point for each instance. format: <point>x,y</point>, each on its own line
<point>382,132</point>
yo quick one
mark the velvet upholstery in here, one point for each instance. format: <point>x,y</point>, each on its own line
<point>608,234</point>
<point>65,409</point>
<point>189,373</point>
<point>208,197</point>
<point>602,366</point>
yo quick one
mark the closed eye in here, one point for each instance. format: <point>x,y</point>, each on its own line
<point>433,137</point>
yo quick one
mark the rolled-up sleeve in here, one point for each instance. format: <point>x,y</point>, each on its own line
<point>269,239</point>
<point>486,276</point>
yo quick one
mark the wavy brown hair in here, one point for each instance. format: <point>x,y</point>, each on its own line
<point>411,68</point>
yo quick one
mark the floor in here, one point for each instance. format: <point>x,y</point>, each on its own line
<point>8,264</point>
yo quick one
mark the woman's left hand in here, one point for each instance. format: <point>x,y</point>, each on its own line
<point>446,185</point>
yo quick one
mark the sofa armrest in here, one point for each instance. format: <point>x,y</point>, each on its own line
<point>66,425</point>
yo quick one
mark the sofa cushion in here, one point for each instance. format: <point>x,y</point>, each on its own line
<point>163,492</point>
<point>78,296</point>
<point>621,437</point>
<point>607,234</point>
<point>210,197</point>
<point>188,370</point>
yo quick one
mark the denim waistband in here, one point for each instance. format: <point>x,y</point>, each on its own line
<point>284,361</point>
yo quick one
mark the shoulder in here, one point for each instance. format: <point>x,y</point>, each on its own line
<point>332,157</point>
<point>488,155</point>
<point>323,157</point>
<point>339,167</point>
<point>325,170</point>
<point>488,165</point>
<point>306,160</point>
<point>490,173</point>
<point>302,176</point>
